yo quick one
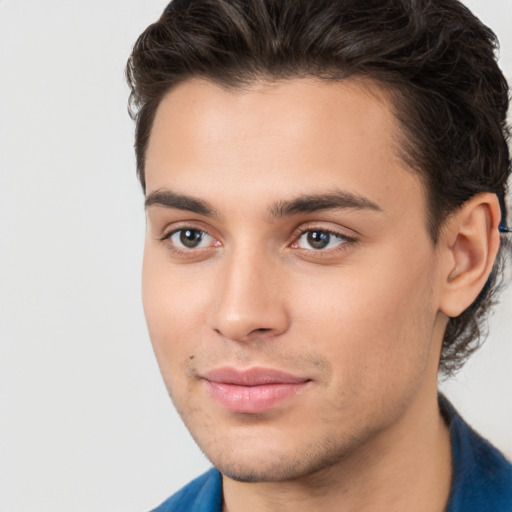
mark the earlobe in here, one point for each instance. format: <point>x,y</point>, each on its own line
<point>470,242</point>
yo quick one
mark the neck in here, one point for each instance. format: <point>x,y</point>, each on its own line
<point>405,467</point>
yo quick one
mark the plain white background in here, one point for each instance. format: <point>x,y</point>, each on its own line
<point>85,422</point>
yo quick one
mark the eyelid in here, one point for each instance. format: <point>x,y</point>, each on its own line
<point>169,229</point>
<point>348,234</point>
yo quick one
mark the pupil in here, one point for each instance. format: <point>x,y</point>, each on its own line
<point>190,237</point>
<point>318,239</point>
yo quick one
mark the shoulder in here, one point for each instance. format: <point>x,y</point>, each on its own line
<point>482,476</point>
<point>204,494</point>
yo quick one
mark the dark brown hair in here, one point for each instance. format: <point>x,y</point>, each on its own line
<point>436,59</point>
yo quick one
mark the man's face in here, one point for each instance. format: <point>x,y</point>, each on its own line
<point>289,280</point>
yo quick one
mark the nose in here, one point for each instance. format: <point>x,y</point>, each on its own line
<point>249,300</point>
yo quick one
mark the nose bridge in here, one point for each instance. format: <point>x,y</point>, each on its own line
<point>248,298</point>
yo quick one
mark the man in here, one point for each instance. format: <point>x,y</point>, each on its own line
<point>325,194</point>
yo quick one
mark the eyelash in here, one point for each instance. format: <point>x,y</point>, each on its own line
<point>345,241</point>
<point>166,238</point>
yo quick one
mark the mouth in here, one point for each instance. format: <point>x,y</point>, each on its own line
<point>255,390</point>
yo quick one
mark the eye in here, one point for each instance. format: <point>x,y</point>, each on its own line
<point>189,238</point>
<point>315,239</point>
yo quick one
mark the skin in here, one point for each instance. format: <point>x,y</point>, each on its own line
<point>362,319</point>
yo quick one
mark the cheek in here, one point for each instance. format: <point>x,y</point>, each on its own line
<point>172,307</point>
<point>374,326</point>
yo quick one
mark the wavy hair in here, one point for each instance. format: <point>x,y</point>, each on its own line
<point>436,59</point>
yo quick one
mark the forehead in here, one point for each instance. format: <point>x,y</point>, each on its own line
<point>204,112</point>
<point>297,136</point>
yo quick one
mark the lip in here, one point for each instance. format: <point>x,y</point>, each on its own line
<point>254,390</point>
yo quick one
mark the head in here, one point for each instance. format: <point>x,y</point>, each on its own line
<point>434,59</point>
<point>257,118</point>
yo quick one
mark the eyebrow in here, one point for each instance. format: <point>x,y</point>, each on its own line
<point>169,199</point>
<point>307,203</point>
<point>335,200</point>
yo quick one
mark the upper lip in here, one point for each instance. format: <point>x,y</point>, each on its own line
<point>252,376</point>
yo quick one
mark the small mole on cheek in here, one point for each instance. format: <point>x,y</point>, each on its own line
<point>191,357</point>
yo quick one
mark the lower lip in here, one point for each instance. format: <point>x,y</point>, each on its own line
<point>252,399</point>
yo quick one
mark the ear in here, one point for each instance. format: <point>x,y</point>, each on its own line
<point>469,243</point>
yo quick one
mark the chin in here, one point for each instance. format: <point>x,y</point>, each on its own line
<point>276,465</point>
<point>255,472</point>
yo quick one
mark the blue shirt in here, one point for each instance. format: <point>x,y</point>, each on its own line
<point>482,477</point>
